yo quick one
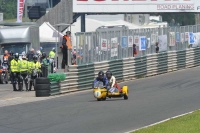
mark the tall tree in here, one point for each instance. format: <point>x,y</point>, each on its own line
<point>9,8</point>
<point>181,18</point>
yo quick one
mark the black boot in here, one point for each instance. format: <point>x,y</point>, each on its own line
<point>14,87</point>
<point>30,86</point>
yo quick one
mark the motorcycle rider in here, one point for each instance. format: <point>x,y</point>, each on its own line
<point>5,58</point>
<point>24,67</point>
<point>34,65</point>
<point>112,81</point>
<point>14,67</point>
<point>39,54</point>
<point>101,78</point>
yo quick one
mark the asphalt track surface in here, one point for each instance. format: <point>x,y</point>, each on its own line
<point>150,100</point>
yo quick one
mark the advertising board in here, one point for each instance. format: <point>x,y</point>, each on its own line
<point>136,6</point>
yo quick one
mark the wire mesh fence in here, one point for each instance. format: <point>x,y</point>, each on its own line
<point>111,43</point>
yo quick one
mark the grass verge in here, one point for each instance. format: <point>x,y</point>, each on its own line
<point>185,124</point>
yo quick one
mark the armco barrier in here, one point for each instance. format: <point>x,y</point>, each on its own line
<point>54,88</point>
<point>81,77</point>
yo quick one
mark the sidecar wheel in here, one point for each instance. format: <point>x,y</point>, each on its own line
<point>103,99</point>
<point>98,99</point>
<point>125,97</point>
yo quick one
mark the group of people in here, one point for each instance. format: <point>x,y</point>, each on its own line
<point>108,80</point>
<point>21,71</point>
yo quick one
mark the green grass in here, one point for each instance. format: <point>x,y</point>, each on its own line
<point>186,124</point>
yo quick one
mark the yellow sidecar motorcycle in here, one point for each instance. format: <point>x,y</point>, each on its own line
<point>101,92</point>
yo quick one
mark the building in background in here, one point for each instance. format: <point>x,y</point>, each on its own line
<point>45,5</point>
<point>139,19</point>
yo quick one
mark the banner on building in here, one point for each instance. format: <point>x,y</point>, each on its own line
<point>20,10</point>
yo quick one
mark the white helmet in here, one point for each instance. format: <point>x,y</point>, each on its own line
<point>23,53</point>
<point>23,56</point>
<point>38,53</point>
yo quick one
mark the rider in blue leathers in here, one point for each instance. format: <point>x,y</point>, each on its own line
<point>101,78</point>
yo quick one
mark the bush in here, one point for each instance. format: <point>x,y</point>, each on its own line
<point>57,77</point>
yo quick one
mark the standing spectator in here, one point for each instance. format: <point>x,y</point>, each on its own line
<point>30,54</point>
<point>157,47</point>
<point>134,50</point>
<point>66,45</point>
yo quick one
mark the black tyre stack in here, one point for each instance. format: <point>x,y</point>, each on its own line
<point>42,87</point>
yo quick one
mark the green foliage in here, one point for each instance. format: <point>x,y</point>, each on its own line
<point>9,9</point>
<point>57,77</point>
<point>181,18</point>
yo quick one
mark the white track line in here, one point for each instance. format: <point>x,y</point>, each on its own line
<point>160,122</point>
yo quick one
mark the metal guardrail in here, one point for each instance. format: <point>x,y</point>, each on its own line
<point>81,77</point>
<point>54,88</point>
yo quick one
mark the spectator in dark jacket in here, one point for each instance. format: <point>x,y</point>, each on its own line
<point>157,47</point>
<point>134,50</point>
<point>66,45</point>
<point>30,55</point>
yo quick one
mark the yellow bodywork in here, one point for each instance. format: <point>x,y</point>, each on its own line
<point>101,93</point>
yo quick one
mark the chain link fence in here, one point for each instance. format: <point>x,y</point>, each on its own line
<point>111,43</point>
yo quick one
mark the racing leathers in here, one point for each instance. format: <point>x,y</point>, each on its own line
<point>5,61</point>
<point>113,82</point>
<point>104,80</point>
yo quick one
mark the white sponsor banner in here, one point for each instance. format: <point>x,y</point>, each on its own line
<point>136,40</point>
<point>104,45</point>
<point>182,37</point>
<point>114,42</point>
<point>186,36</point>
<point>114,52</point>
<point>172,39</point>
<point>196,39</point>
<point>107,6</point>
<point>130,41</point>
<point>20,9</point>
<point>148,42</point>
<point>154,39</point>
<point>162,41</point>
